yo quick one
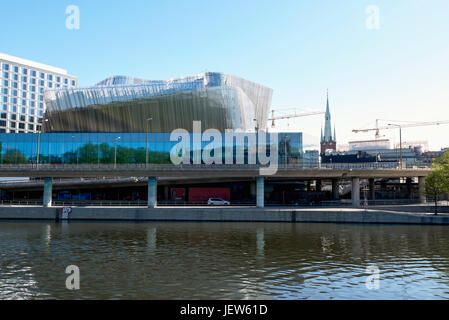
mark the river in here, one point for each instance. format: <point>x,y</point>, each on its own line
<point>224,261</point>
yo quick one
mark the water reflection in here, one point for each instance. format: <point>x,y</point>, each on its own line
<point>46,238</point>
<point>151,240</point>
<point>223,260</point>
<point>260,242</point>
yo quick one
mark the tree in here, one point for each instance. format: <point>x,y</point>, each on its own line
<point>443,160</point>
<point>437,183</point>
<point>436,186</point>
<point>14,156</point>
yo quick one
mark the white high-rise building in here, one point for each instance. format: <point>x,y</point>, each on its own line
<point>22,87</point>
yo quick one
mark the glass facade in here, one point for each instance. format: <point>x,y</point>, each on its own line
<point>124,148</point>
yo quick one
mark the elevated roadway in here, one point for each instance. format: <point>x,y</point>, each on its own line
<point>328,171</point>
<point>334,172</point>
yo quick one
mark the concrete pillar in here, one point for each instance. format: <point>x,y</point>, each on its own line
<point>372,190</point>
<point>355,192</point>
<point>318,185</point>
<point>48,191</point>
<point>152,192</point>
<point>335,192</point>
<point>260,192</point>
<point>422,189</point>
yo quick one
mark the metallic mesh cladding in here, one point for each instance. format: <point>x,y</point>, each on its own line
<point>122,104</point>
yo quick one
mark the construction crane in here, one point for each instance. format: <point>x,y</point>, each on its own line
<point>400,126</point>
<point>394,126</point>
<point>292,115</point>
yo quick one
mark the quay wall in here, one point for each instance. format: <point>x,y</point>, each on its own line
<point>342,215</point>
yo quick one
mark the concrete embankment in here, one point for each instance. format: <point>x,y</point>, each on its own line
<point>328,215</point>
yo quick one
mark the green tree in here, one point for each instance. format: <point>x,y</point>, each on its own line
<point>88,153</point>
<point>436,186</point>
<point>443,160</point>
<point>14,156</point>
<point>437,182</point>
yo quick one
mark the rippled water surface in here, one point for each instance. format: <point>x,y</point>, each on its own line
<point>223,261</point>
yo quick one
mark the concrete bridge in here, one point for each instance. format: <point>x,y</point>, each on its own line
<point>333,172</point>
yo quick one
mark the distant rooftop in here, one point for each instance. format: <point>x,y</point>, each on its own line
<point>32,64</point>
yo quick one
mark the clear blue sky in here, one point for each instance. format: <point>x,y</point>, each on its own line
<point>298,48</point>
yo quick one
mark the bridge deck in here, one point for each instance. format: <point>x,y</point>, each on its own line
<point>329,171</point>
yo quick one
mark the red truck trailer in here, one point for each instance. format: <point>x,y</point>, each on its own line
<point>201,195</point>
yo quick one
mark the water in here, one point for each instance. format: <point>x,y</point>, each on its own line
<point>223,260</point>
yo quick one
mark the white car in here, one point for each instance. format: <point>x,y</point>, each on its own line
<point>217,202</point>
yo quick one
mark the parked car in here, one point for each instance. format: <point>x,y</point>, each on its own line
<point>217,202</point>
<point>302,202</point>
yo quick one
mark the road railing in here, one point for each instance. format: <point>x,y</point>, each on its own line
<point>243,203</point>
<point>235,167</point>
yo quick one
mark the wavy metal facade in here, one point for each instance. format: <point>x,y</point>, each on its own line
<point>122,104</point>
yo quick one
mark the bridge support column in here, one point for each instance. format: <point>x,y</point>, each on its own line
<point>152,192</point>
<point>422,189</point>
<point>372,190</point>
<point>48,191</point>
<point>318,185</point>
<point>260,185</point>
<point>355,192</point>
<point>335,193</point>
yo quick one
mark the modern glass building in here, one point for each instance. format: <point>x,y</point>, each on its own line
<point>129,120</point>
<point>122,104</point>
<point>22,87</point>
<point>122,148</point>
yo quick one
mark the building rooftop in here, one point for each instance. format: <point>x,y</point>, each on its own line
<point>32,64</point>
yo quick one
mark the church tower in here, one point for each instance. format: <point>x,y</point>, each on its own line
<point>328,142</point>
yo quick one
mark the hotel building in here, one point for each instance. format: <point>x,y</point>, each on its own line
<point>22,86</point>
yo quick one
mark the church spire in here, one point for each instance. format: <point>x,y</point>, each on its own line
<point>327,123</point>
<point>328,142</point>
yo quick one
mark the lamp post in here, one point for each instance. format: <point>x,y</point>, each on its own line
<point>73,145</point>
<point>285,150</point>
<point>257,125</point>
<point>115,152</point>
<point>256,128</point>
<point>400,142</point>
<point>146,144</point>
<point>38,143</point>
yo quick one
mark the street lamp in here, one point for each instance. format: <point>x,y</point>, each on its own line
<point>115,152</point>
<point>257,125</point>
<point>400,141</point>
<point>38,143</point>
<point>73,145</point>
<point>285,149</point>
<point>256,128</point>
<point>146,144</point>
